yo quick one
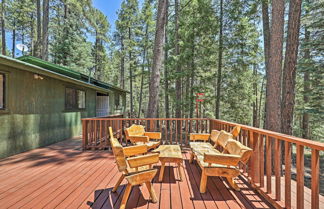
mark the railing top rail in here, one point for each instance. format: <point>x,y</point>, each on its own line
<point>293,139</point>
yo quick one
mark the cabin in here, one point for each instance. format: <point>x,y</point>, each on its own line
<point>42,103</point>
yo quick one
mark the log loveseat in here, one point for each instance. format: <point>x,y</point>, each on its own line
<point>213,162</point>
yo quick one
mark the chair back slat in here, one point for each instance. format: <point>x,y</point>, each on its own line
<point>118,152</point>
<point>236,131</point>
<point>236,148</point>
<point>134,130</point>
<point>223,138</point>
<point>214,135</point>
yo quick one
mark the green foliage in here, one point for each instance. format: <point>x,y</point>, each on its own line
<point>313,20</point>
<point>80,38</point>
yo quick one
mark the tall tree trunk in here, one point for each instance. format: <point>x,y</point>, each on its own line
<point>192,75</point>
<point>130,74</point>
<point>166,79</point>
<point>307,56</point>
<point>14,39</point>
<point>157,60</point>
<point>65,31</point>
<point>260,101</point>
<point>45,29</point>
<point>178,67</point>
<point>275,65</point>
<point>39,30</point>
<point>3,26</point>
<point>143,72</point>
<point>255,103</point>
<point>289,73</point>
<point>32,44</point>
<point>220,59</point>
<point>266,36</point>
<point>122,63</point>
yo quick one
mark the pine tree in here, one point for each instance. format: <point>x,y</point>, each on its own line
<point>157,60</point>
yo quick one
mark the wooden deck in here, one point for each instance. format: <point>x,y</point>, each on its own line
<point>62,176</point>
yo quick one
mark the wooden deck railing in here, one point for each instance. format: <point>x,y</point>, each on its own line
<point>95,130</point>
<point>268,159</point>
<point>271,159</point>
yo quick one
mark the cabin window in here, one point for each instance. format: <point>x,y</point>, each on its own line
<point>74,99</point>
<point>2,91</point>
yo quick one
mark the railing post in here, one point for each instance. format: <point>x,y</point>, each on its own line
<point>300,176</point>
<point>269,163</point>
<point>277,168</point>
<point>287,175</point>
<point>261,161</point>
<point>315,179</point>
<point>254,170</point>
<point>84,134</point>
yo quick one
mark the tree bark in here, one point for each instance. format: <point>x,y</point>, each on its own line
<point>3,26</point>
<point>266,36</point>
<point>178,67</point>
<point>122,63</point>
<point>157,60</point>
<point>130,73</point>
<point>143,72</point>
<point>39,30</point>
<point>166,81</point>
<point>192,75</point>
<point>260,100</point>
<point>289,73</point>
<point>220,59</point>
<point>255,121</point>
<point>45,29</point>
<point>273,119</point>
<point>307,56</point>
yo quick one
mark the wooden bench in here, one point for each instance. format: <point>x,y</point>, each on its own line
<point>215,163</point>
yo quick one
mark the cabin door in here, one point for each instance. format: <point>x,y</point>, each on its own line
<point>102,105</point>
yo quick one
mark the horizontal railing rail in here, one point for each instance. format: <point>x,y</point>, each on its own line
<point>270,165</point>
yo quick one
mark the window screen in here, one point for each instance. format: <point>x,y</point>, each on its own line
<point>81,99</point>
<point>74,99</point>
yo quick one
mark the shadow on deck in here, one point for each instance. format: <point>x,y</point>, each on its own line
<point>62,176</point>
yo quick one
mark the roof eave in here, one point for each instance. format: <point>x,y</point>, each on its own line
<point>42,71</point>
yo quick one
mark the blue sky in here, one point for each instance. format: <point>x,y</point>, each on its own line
<point>109,8</point>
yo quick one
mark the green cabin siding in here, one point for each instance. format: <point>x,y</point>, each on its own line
<point>35,113</point>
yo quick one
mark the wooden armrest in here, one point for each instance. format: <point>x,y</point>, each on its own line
<point>196,136</point>
<point>135,150</point>
<point>141,177</point>
<point>236,148</point>
<point>135,139</point>
<point>222,159</point>
<point>138,161</point>
<point>153,135</point>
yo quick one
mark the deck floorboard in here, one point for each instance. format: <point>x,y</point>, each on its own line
<point>62,176</point>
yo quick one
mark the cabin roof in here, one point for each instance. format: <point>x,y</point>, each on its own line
<point>36,65</point>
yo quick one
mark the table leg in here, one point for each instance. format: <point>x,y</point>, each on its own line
<point>179,169</point>
<point>161,171</point>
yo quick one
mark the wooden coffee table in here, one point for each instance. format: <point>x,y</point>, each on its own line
<point>169,154</point>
